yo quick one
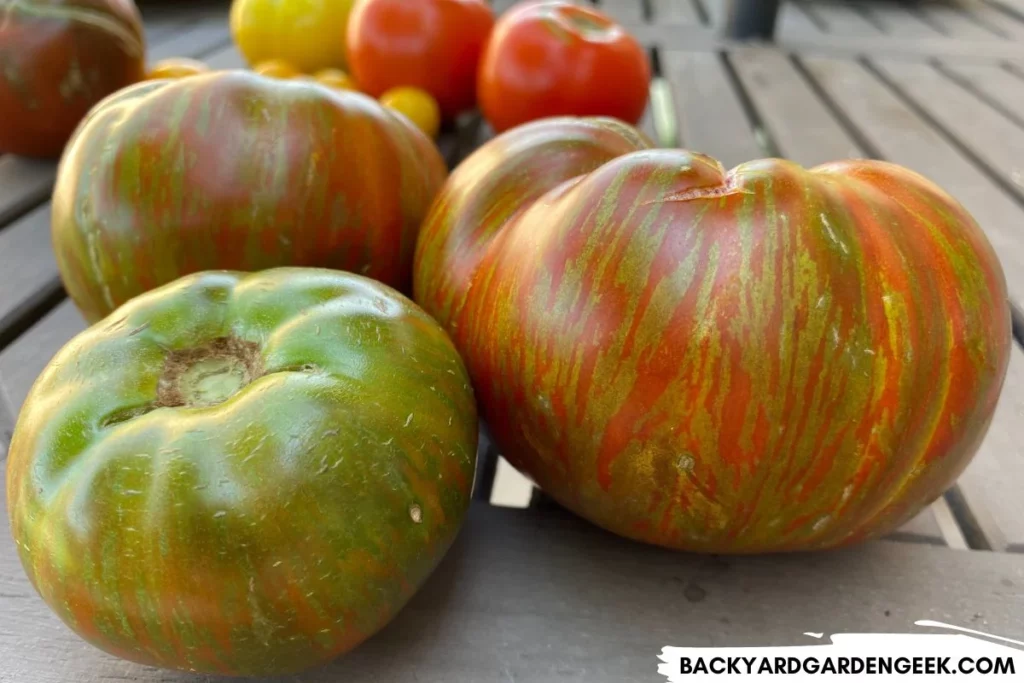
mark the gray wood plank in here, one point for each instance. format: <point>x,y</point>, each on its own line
<point>160,26</point>
<point>7,416</point>
<point>891,45</point>
<point>25,359</point>
<point>994,82</point>
<point>668,12</point>
<point>993,482</point>
<point>895,18</point>
<point>1011,8</point>
<point>624,11</point>
<point>902,136</point>
<point>24,183</point>
<point>1015,7</point>
<point>29,269</point>
<point>530,597</point>
<point>798,121</point>
<point>228,57</point>
<point>716,10</point>
<point>955,22</point>
<point>709,110</point>
<point>996,140</point>
<point>197,41</point>
<point>690,37</point>
<point>841,18</point>
<point>997,20</point>
<point>794,22</point>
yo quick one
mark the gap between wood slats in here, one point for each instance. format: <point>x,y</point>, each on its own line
<point>840,19</point>
<point>998,85</point>
<point>676,12</point>
<point>956,22</point>
<point>997,20</point>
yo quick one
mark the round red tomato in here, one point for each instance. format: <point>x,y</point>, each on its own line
<point>57,60</point>
<point>434,45</point>
<point>555,58</point>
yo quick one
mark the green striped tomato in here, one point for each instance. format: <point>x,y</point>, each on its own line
<point>243,474</point>
<point>236,171</point>
<point>57,59</point>
<point>766,359</point>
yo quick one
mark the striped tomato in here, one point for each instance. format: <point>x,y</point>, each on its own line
<point>57,59</point>
<point>765,359</point>
<point>236,171</point>
<point>243,474</point>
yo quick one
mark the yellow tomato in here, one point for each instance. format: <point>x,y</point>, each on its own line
<point>309,34</point>
<point>276,68</point>
<point>176,67</point>
<point>335,78</point>
<point>417,105</point>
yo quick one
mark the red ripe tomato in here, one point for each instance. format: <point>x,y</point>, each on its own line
<point>555,58</point>
<point>434,45</point>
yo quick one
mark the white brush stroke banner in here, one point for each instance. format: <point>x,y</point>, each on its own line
<point>967,656</point>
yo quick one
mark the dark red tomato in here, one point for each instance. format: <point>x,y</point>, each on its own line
<point>434,45</point>
<point>58,59</point>
<point>555,58</point>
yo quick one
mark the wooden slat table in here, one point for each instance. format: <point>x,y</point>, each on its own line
<point>535,595</point>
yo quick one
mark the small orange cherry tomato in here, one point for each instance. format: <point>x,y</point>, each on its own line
<point>176,67</point>
<point>417,105</point>
<point>335,78</point>
<point>276,68</point>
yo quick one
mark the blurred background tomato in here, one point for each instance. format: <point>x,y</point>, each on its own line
<point>556,58</point>
<point>308,34</point>
<point>433,45</point>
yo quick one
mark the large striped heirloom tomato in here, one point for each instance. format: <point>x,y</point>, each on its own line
<point>243,474</point>
<point>765,359</point>
<point>58,58</point>
<point>236,171</point>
